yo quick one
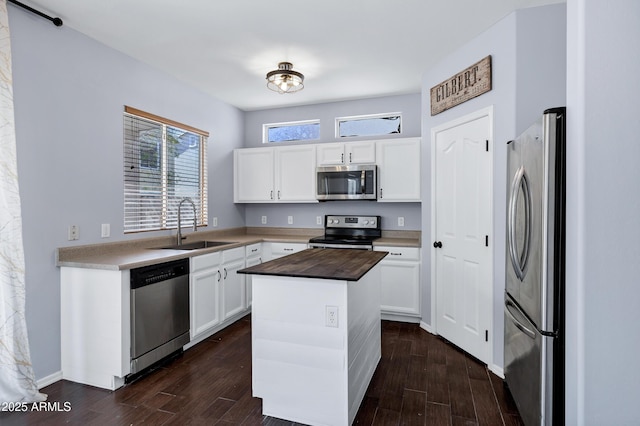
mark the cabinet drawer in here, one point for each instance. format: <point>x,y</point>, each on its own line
<point>253,250</point>
<point>205,261</point>
<point>279,249</point>
<point>233,254</point>
<point>400,253</point>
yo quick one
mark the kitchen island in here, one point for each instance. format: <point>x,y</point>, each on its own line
<point>315,333</point>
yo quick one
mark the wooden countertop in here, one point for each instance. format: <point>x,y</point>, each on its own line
<point>324,263</point>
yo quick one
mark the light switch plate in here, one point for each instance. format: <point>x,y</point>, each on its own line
<point>105,230</point>
<point>400,221</point>
<point>264,220</point>
<point>290,220</point>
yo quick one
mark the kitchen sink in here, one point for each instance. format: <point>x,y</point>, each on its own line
<point>197,245</point>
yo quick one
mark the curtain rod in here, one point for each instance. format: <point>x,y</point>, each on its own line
<point>56,21</point>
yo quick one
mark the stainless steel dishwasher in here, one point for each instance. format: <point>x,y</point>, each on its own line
<point>159,312</point>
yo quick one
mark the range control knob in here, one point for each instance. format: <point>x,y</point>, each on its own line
<point>366,222</point>
<point>373,222</point>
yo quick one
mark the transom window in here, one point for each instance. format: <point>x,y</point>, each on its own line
<point>292,131</point>
<point>369,125</point>
<point>164,162</point>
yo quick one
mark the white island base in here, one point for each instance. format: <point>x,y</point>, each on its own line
<point>304,369</point>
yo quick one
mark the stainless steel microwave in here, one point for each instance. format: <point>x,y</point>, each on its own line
<point>347,182</point>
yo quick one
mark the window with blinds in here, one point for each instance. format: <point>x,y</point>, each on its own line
<point>164,163</point>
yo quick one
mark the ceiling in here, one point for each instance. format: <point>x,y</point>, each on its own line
<point>347,49</point>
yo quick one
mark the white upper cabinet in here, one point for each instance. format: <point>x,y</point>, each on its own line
<point>398,170</point>
<point>253,175</point>
<point>275,174</point>
<point>343,154</point>
<point>295,173</point>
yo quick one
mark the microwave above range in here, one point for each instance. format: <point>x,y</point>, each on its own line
<point>347,182</point>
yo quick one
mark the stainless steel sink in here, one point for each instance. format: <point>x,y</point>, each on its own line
<point>197,245</point>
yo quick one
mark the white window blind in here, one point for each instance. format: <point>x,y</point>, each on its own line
<point>164,162</point>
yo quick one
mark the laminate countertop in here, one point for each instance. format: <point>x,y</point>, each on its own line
<point>324,263</point>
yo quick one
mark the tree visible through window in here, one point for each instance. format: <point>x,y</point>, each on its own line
<point>164,162</point>
<point>369,125</point>
<point>294,131</point>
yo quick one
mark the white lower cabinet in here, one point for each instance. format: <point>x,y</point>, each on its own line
<point>276,250</point>
<point>253,254</point>
<point>217,290</point>
<point>233,290</point>
<point>400,270</point>
<point>205,292</point>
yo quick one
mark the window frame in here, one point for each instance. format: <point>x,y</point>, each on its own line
<point>167,210</point>
<point>267,126</point>
<point>339,120</point>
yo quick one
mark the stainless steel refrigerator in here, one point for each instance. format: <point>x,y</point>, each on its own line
<point>535,267</point>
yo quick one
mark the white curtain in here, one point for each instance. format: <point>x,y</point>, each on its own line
<point>17,381</point>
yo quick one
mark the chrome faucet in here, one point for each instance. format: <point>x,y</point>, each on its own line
<point>179,236</point>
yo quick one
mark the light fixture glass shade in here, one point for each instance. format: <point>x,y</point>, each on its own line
<point>284,79</point>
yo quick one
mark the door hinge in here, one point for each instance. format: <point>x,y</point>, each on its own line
<point>486,335</point>
<point>487,145</point>
<point>486,241</point>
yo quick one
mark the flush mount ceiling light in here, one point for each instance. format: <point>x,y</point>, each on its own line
<point>284,79</point>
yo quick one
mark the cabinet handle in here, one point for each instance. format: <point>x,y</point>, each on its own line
<point>219,276</point>
<point>271,194</point>
<point>395,254</point>
<point>254,250</point>
<point>350,158</point>
<point>278,194</point>
<point>225,273</point>
<point>342,157</point>
<point>380,192</point>
<point>288,249</point>
<point>260,259</point>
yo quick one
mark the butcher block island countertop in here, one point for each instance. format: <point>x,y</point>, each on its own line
<point>315,333</point>
<point>323,263</point>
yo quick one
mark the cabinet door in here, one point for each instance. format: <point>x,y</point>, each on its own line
<point>205,312</point>
<point>233,291</point>
<point>399,169</point>
<point>400,287</point>
<point>330,154</point>
<point>360,152</point>
<point>253,175</point>
<point>296,173</point>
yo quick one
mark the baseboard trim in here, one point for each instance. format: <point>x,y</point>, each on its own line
<point>497,370</point>
<point>427,327</point>
<point>49,380</point>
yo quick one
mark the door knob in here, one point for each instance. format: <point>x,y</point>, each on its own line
<point>437,244</point>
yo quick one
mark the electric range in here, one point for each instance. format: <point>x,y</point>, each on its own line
<point>351,232</point>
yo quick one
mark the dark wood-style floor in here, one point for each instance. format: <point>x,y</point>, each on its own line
<point>421,380</point>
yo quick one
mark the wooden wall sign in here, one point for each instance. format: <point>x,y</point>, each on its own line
<point>467,84</point>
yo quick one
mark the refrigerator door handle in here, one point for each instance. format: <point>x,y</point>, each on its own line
<point>519,261</point>
<point>509,306</point>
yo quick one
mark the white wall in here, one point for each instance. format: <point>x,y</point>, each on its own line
<point>69,95</point>
<point>603,212</point>
<point>528,69</point>
<point>305,214</point>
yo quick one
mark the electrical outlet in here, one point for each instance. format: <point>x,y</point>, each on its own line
<point>264,220</point>
<point>332,316</point>
<point>215,221</point>
<point>400,221</point>
<point>74,232</point>
<point>290,220</point>
<point>318,220</point>
<point>106,230</point>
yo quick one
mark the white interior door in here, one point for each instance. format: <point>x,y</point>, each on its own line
<point>462,232</point>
